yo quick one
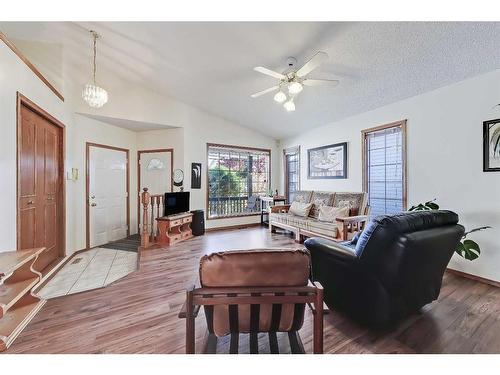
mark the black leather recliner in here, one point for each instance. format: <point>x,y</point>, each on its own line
<point>391,269</point>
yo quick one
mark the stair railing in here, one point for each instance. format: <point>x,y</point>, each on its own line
<point>152,205</point>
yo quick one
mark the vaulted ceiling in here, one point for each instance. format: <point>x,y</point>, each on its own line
<point>210,65</point>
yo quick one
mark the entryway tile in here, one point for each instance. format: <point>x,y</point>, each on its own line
<point>89,270</point>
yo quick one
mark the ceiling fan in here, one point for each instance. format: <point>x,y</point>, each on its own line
<point>292,80</point>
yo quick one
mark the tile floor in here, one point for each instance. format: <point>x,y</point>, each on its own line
<point>90,269</point>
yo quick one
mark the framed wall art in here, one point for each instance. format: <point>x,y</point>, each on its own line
<point>491,146</point>
<point>327,161</point>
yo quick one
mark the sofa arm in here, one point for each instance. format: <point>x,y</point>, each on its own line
<point>335,250</point>
<point>352,219</point>
<point>283,208</point>
<point>350,224</point>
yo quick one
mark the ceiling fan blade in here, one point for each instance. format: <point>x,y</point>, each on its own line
<point>269,72</point>
<point>321,82</point>
<point>270,89</point>
<point>318,59</point>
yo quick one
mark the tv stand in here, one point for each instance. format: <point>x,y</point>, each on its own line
<point>174,228</point>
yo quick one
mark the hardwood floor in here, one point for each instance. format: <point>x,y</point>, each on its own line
<point>138,314</point>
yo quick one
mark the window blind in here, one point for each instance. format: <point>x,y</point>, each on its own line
<point>385,170</point>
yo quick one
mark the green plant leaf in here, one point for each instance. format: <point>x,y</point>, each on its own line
<point>432,206</point>
<point>468,249</point>
<point>476,230</point>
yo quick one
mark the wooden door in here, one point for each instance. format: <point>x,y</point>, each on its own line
<point>40,218</point>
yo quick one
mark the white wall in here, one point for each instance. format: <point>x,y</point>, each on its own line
<point>89,130</point>
<point>16,76</point>
<point>444,158</point>
<point>196,128</point>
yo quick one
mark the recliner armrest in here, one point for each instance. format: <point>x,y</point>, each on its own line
<point>337,250</point>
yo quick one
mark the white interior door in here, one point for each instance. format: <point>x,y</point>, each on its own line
<point>155,169</point>
<point>107,195</point>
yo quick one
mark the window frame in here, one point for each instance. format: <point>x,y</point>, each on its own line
<point>207,193</point>
<point>401,124</point>
<point>290,151</point>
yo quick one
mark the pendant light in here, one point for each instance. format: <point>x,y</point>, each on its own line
<point>94,95</point>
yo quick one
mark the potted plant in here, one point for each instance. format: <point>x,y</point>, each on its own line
<point>467,248</point>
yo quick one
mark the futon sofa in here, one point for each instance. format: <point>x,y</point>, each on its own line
<point>341,228</point>
<point>391,269</point>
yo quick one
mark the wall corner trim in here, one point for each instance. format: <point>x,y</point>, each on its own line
<point>33,68</point>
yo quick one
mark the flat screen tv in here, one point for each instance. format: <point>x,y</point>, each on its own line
<point>175,203</point>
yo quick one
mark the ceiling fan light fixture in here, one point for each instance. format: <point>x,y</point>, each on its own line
<point>295,87</point>
<point>289,106</point>
<point>280,97</point>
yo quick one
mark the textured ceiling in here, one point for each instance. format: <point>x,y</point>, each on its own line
<point>210,65</point>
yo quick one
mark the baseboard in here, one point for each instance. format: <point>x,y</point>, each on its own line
<point>474,277</point>
<point>229,227</point>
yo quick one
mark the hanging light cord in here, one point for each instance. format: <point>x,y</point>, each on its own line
<point>95,35</point>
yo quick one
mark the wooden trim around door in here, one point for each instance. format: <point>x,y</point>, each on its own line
<point>87,187</point>
<point>22,100</point>
<point>171,150</point>
<point>402,124</point>
<point>207,179</point>
<point>33,68</point>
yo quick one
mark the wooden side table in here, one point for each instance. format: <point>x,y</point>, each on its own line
<point>174,228</point>
<point>268,202</point>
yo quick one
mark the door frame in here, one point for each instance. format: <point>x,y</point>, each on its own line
<point>286,151</point>
<point>171,150</point>
<point>22,100</point>
<point>87,186</point>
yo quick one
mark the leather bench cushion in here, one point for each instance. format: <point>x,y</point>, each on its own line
<point>257,268</point>
<point>247,268</point>
<point>319,199</point>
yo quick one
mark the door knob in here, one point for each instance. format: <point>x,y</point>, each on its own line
<point>30,202</point>
<point>50,198</point>
<point>93,204</point>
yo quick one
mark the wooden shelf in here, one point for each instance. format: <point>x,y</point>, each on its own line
<point>11,293</point>
<point>14,321</point>
<point>18,303</point>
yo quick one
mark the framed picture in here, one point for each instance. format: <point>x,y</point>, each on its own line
<point>195,175</point>
<point>491,146</point>
<point>327,161</point>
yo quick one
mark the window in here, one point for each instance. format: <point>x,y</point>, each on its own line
<point>237,176</point>
<point>292,172</point>
<point>384,168</point>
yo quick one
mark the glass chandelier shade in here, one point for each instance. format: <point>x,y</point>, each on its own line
<point>94,95</point>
